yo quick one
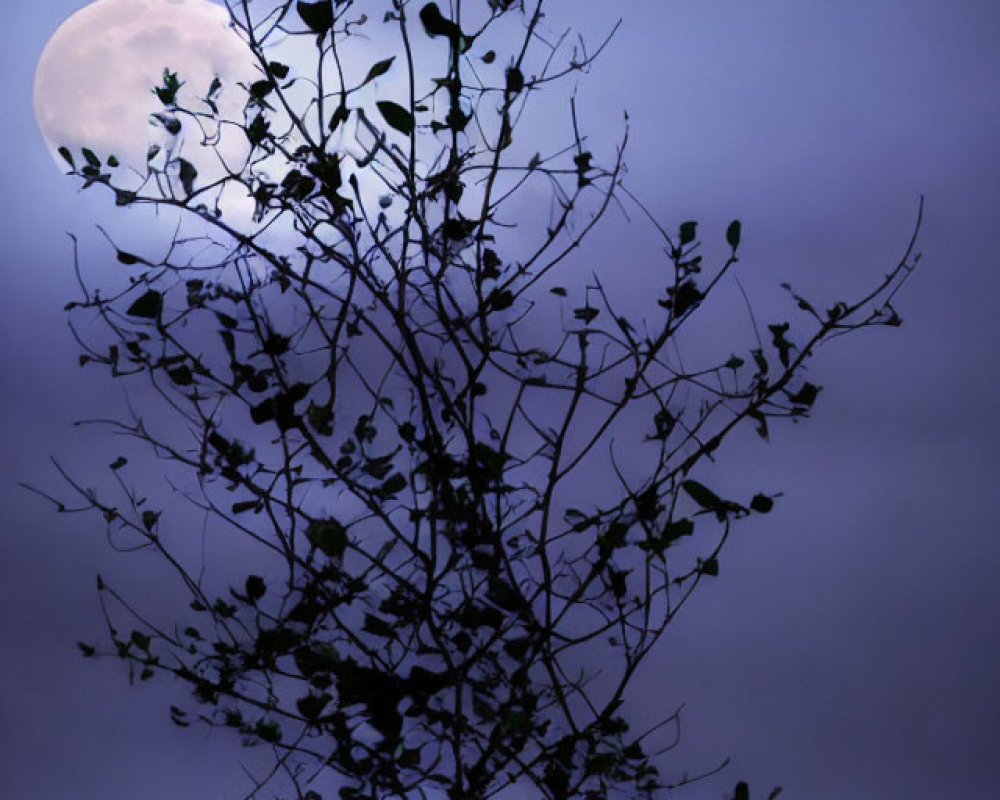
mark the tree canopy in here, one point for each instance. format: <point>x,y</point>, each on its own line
<point>472,478</point>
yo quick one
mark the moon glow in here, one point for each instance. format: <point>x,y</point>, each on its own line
<point>95,78</point>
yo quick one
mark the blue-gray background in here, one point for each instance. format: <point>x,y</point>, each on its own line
<point>851,646</point>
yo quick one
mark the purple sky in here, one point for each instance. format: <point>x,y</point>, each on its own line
<point>850,647</point>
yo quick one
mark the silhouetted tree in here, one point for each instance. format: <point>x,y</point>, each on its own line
<point>475,490</point>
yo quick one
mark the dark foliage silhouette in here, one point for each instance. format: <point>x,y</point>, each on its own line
<point>472,478</point>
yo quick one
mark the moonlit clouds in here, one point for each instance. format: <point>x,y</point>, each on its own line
<point>93,85</point>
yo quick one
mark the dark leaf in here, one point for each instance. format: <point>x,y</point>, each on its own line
<point>586,314</point>
<point>583,166</point>
<point>118,463</point>
<point>67,155</point>
<point>517,648</point>
<point>257,130</point>
<point>704,496</point>
<point>378,467</point>
<point>229,341</point>
<point>504,595</point>
<point>214,88</point>
<point>284,403</point>
<point>378,70</point>
<point>634,752</point>
<point>619,584</point>
<point>601,763</point>
<point>255,588</point>
<point>187,175</point>
<point>182,375</point>
<point>781,342</point>
<point>377,626</point>
<point>733,234</point>
<point>258,382</point>
<point>321,418</point>
<point>395,484</point>
<point>311,705</point>
<point>805,396</point>
<point>172,124</point>
<point>436,24</point>
<point>268,730</point>
<point>263,411</point>
<point>147,306</point>
<point>709,567</point>
<point>318,17</point>
<point>315,658</point>
<point>761,426</point>
<point>491,460</point>
<point>364,431</point>
<point>614,537</point>
<point>275,344</point>
<point>298,185</point>
<point>340,115</point>
<point>742,791</point>
<point>688,232</point>
<point>261,89</point>
<point>515,81</point>
<point>837,311</point>
<point>663,422</point>
<point>167,94</point>
<point>223,609</point>
<point>500,300</point>
<point>513,721</point>
<point>396,116</point>
<point>761,503</point>
<point>675,529</point>
<point>127,258</point>
<point>647,504</point>
<point>457,229</point>
<point>92,159</point>
<point>685,297</point>
<point>329,536</point>
<point>86,649</point>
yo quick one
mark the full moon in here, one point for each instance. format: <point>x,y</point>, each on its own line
<point>95,80</point>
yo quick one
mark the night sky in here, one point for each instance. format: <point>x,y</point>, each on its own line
<point>850,647</point>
